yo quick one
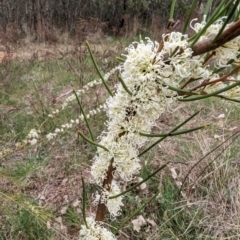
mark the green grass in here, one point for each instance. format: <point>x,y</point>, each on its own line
<point>27,227</point>
<point>28,224</point>
<point>29,88</point>
<point>73,218</point>
<point>42,179</point>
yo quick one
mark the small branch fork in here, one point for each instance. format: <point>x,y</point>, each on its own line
<point>206,82</point>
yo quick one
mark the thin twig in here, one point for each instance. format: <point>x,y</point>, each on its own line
<point>215,158</point>
<point>221,79</point>
<point>187,175</point>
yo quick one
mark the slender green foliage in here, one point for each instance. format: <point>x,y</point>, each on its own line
<point>172,10</point>
<point>84,115</point>
<point>141,182</point>
<point>84,200</point>
<point>91,142</point>
<point>124,85</point>
<point>207,8</point>
<point>217,13</point>
<point>171,134</point>
<point>213,94</point>
<point>162,138</point>
<point>136,212</point>
<point>191,11</point>
<point>98,70</point>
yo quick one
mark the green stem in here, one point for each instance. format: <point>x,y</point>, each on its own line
<point>192,9</point>
<point>120,59</point>
<point>207,8</point>
<point>138,184</point>
<point>210,94</point>
<point>229,99</point>
<point>236,15</point>
<point>91,142</point>
<point>84,115</point>
<point>174,133</point>
<point>223,10</point>
<point>182,90</point>
<point>172,9</point>
<point>162,138</point>
<point>84,203</point>
<point>98,70</point>
<point>137,211</point>
<point>124,86</point>
<point>174,51</point>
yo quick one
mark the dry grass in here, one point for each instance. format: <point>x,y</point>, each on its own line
<point>48,175</point>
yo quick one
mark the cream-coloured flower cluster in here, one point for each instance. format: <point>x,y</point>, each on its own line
<point>113,205</point>
<point>148,75</point>
<point>81,91</point>
<point>74,122</point>
<point>95,231</point>
<point>222,55</point>
<point>32,137</point>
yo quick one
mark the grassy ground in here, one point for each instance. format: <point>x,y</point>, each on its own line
<point>40,185</point>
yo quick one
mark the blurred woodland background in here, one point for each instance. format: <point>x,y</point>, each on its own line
<point>46,20</point>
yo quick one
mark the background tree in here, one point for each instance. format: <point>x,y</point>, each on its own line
<point>40,18</point>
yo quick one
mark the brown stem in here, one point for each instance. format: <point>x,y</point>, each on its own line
<point>101,208</point>
<point>204,46</point>
<point>221,79</point>
<point>208,57</point>
<point>231,32</point>
<point>186,83</point>
<point>170,27</point>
